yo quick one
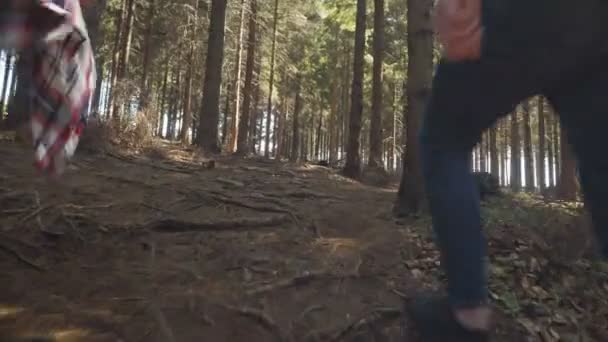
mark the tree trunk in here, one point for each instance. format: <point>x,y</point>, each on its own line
<point>551,152</point>
<point>505,152</point>
<point>8,58</point>
<point>353,158</point>
<point>120,19</point>
<point>556,148</point>
<point>243,133</point>
<point>482,154</point>
<point>528,157</point>
<point>515,152</point>
<point>271,80</point>
<point>236,86</point>
<point>256,119</point>
<point>540,163</point>
<point>295,145</point>
<point>419,78</point>
<point>123,65</point>
<point>494,167</point>
<point>210,105</point>
<point>228,99</point>
<point>144,85</point>
<point>187,119</point>
<point>375,137</point>
<point>318,145</point>
<point>567,186</point>
<point>161,108</point>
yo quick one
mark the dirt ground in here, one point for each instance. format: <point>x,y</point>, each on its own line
<point>164,247</point>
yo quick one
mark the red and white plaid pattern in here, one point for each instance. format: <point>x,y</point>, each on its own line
<point>63,72</point>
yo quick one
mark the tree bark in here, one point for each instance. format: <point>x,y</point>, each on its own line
<point>556,148</point>
<point>353,158</point>
<point>236,86</point>
<point>375,137</point>
<point>144,84</point>
<point>482,154</point>
<point>120,19</point>
<point>210,105</point>
<point>271,80</point>
<point>528,157</point>
<point>9,57</point>
<point>243,132</point>
<point>540,164</point>
<point>567,186</point>
<point>419,78</point>
<point>515,152</point>
<point>295,144</point>
<point>123,65</point>
<point>551,152</point>
<point>161,109</point>
<point>494,167</point>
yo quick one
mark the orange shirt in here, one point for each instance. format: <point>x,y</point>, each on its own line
<point>459,28</point>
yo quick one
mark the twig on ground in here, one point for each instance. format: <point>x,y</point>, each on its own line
<point>399,293</point>
<point>309,310</point>
<point>299,280</point>
<point>160,167</point>
<point>20,257</point>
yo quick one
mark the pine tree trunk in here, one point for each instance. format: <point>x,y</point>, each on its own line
<point>123,65</point>
<point>243,133</point>
<point>144,84</point>
<point>161,108</point>
<point>556,148</point>
<point>8,58</point>
<point>295,147</point>
<point>494,167</point>
<point>540,164</point>
<point>318,144</point>
<point>120,21</point>
<point>353,158</point>
<point>271,80</point>
<point>528,157</point>
<point>515,152</point>
<point>227,99</point>
<point>551,152</point>
<point>236,86</point>
<point>210,105</point>
<point>187,119</point>
<point>567,186</point>
<point>505,152</point>
<point>256,119</point>
<point>375,138</point>
<point>419,78</point>
<point>482,155</point>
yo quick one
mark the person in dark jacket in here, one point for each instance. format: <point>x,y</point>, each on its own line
<point>498,53</point>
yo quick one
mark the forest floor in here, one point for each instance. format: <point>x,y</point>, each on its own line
<point>163,247</point>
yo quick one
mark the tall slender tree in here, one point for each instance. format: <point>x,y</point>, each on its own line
<point>353,157</point>
<point>210,112</point>
<point>243,130</point>
<point>375,138</point>
<point>419,77</point>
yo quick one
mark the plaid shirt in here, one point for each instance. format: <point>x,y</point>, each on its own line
<point>63,73</point>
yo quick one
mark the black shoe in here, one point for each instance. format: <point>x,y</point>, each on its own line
<point>435,321</point>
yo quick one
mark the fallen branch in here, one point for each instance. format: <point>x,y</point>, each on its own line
<point>178,226</point>
<point>20,257</point>
<point>298,280</point>
<point>260,207</point>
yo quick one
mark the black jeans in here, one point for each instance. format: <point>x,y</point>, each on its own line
<point>554,48</point>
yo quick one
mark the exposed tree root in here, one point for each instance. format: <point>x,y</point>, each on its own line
<point>298,280</point>
<point>264,319</point>
<point>178,226</point>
